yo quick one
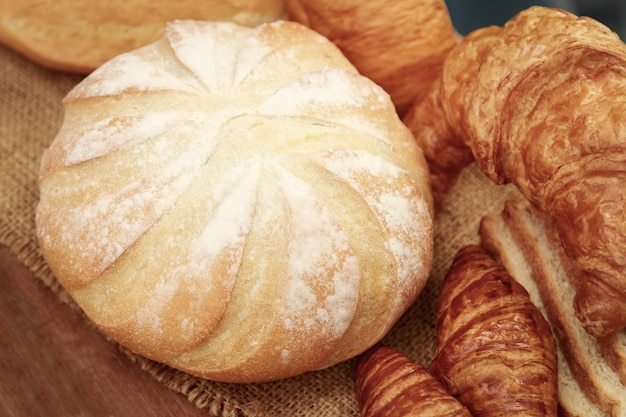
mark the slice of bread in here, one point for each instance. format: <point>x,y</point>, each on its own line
<point>589,369</point>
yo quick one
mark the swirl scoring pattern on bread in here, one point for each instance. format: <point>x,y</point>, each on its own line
<point>238,203</point>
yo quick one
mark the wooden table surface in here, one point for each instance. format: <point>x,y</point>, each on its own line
<point>53,363</point>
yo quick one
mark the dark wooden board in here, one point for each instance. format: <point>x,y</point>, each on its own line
<point>53,363</point>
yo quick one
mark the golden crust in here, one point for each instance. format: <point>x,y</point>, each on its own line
<point>243,222</point>
<point>390,384</point>
<point>437,119</point>
<point>523,240</point>
<point>547,62</point>
<point>545,111</point>
<point>78,36</point>
<point>555,79</point>
<point>495,351</point>
<point>400,45</point>
<point>458,75</point>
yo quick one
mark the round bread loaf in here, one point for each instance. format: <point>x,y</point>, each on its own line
<point>80,35</point>
<point>238,203</point>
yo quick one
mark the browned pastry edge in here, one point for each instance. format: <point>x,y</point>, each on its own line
<point>400,45</point>
<point>78,36</point>
<point>390,384</point>
<point>522,238</point>
<point>436,120</point>
<point>542,106</point>
<point>495,351</point>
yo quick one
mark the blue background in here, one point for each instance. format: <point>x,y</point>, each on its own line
<point>468,15</point>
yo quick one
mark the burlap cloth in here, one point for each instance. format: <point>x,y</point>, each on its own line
<point>30,114</point>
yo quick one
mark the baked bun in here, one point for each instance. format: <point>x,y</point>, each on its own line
<point>80,35</point>
<point>238,203</point>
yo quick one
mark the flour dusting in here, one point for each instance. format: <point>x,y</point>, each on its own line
<point>208,50</point>
<point>230,222</point>
<point>111,134</point>
<point>233,108</point>
<point>322,268</point>
<point>131,72</point>
<point>390,193</point>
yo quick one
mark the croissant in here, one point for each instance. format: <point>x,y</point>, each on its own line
<point>400,45</point>
<point>390,384</point>
<point>544,108</point>
<point>436,118</point>
<point>591,380</point>
<point>495,351</point>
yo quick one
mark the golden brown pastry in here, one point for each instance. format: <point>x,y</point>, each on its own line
<point>522,239</point>
<point>80,35</point>
<point>495,351</point>
<point>437,118</point>
<point>238,203</point>
<point>545,110</point>
<point>390,384</point>
<point>400,45</point>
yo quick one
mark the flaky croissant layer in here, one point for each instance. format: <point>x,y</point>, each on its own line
<point>541,103</point>
<point>495,351</point>
<point>390,384</point>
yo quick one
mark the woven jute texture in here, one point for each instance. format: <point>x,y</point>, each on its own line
<point>31,112</point>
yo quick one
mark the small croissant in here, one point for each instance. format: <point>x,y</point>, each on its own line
<point>541,103</point>
<point>495,351</point>
<point>390,384</point>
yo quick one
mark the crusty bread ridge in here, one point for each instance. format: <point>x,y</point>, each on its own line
<point>523,241</point>
<point>80,35</point>
<point>239,203</point>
